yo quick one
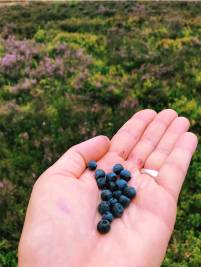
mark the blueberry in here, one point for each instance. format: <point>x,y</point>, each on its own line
<point>111,177</point>
<point>99,173</point>
<point>101,182</point>
<point>117,194</point>
<point>125,201</point>
<point>106,194</point>
<point>117,210</point>
<point>92,165</point>
<point>108,216</point>
<point>103,226</point>
<point>103,207</point>
<point>112,186</point>
<point>117,168</point>
<point>121,184</point>
<point>125,174</point>
<point>112,201</point>
<point>129,191</point>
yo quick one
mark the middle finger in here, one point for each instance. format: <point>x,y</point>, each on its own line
<point>152,135</point>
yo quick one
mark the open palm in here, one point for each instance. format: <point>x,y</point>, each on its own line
<point>60,226</point>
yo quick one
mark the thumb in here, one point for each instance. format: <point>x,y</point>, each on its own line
<point>74,161</point>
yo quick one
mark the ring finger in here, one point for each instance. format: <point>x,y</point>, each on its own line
<point>179,126</point>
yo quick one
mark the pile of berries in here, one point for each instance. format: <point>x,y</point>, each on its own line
<point>116,194</point>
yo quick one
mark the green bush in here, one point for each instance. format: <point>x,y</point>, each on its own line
<point>118,57</point>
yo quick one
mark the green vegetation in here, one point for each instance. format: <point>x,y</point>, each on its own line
<point>68,70</point>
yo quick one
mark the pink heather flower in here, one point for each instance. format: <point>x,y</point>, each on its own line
<point>33,81</point>
<point>48,67</point>
<point>58,61</point>
<point>79,53</point>
<point>24,48</point>
<point>26,84</point>
<point>8,59</point>
<point>1,184</point>
<point>33,63</point>
<point>61,47</point>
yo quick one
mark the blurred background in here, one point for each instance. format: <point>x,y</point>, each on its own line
<point>73,70</point>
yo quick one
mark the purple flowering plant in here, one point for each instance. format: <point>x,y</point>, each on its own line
<point>26,62</point>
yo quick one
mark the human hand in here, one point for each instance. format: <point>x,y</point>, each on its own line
<point>60,225</point>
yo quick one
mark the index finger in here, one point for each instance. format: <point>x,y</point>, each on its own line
<point>129,134</point>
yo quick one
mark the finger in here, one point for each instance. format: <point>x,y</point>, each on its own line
<point>155,160</point>
<point>129,134</point>
<point>174,169</point>
<point>152,135</point>
<point>73,162</point>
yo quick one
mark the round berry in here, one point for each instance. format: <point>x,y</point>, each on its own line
<point>99,173</point>
<point>117,194</point>
<point>112,186</point>
<point>111,177</point>
<point>108,216</point>
<point>117,210</point>
<point>117,168</point>
<point>129,191</point>
<point>125,201</point>
<point>121,184</point>
<point>101,182</point>
<point>103,226</point>
<point>106,194</point>
<point>112,201</point>
<point>92,165</point>
<point>125,174</point>
<point>103,207</point>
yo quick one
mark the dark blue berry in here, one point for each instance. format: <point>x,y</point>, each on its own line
<point>117,194</point>
<point>101,182</point>
<point>117,210</point>
<point>103,207</point>
<point>106,194</point>
<point>129,191</point>
<point>112,201</point>
<point>99,173</point>
<point>125,201</point>
<point>125,174</point>
<point>92,165</point>
<point>117,168</point>
<point>111,177</point>
<point>112,186</point>
<point>103,226</point>
<point>121,184</point>
<point>108,216</point>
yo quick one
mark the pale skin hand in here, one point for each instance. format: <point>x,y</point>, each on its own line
<point>60,225</point>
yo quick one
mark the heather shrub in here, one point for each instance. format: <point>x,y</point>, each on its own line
<point>70,71</point>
